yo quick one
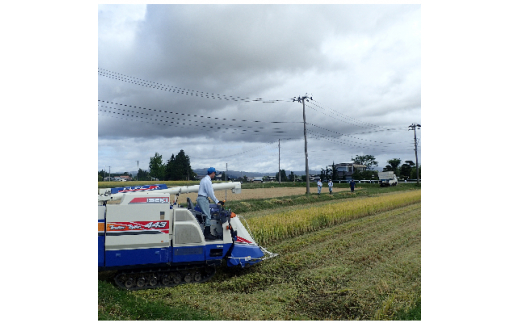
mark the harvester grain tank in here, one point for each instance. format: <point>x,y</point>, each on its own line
<point>152,242</point>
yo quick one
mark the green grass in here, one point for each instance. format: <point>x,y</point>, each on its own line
<point>412,314</point>
<point>117,304</point>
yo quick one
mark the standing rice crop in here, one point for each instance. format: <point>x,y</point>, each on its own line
<point>287,224</point>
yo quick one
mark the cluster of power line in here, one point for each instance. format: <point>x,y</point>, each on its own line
<point>169,118</point>
<point>194,115</point>
<point>184,120</point>
<point>333,113</point>
<point>350,136</point>
<point>159,117</point>
<point>339,116</point>
<point>337,140</point>
<point>178,90</point>
<point>186,123</point>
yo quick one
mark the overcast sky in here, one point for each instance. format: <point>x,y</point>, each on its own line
<point>218,81</point>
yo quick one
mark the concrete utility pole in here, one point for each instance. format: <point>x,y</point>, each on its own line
<point>413,125</point>
<point>302,100</point>
<point>279,172</point>
<point>225,192</point>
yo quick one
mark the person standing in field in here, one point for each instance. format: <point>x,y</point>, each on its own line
<point>320,184</point>
<point>352,185</point>
<point>330,186</point>
<point>206,192</point>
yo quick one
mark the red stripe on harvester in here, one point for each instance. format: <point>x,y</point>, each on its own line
<point>240,239</point>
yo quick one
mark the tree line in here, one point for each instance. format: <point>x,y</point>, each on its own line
<point>178,168</point>
<point>405,171</point>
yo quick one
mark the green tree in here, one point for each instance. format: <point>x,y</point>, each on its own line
<point>393,165</point>
<point>283,175</point>
<point>406,169</point>
<point>182,164</point>
<point>156,167</point>
<point>169,169</point>
<point>334,172</point>
<point>413,173</point>
<point>101,175</point>
<point>179,168</point>
<point>143,175</point>
<point>326,173</point>
<point>365,175</point>
<point>368,160</point>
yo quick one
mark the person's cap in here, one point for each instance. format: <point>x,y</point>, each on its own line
<point>211,170</point>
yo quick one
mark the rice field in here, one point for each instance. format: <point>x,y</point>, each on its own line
<point>288,224</point>
<point>356,258</point>
<point>350,261</point>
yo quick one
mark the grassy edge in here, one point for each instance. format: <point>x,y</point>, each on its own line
<point>117,304</point>
<point>412,314</point>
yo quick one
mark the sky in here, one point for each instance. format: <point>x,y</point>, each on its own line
<point>219,82</point>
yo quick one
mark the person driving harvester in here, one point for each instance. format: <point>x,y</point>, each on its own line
<point>206,192</point>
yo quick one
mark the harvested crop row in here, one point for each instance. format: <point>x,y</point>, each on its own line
<point>283,225</point>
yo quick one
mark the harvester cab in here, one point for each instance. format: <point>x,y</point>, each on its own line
<point>152,242</point>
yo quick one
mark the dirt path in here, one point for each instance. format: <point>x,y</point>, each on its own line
<point>260,193</point>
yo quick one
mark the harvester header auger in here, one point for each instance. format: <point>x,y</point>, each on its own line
<point>153,242</point>
<point>117,193</point>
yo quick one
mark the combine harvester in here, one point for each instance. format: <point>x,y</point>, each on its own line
<point>152,242</point>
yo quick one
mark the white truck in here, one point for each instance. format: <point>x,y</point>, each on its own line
<point>387,178</point>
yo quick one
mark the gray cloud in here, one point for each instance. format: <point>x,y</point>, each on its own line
<point>361,63</point>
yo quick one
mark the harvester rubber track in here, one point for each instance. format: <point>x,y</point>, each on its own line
<point>169,277</point>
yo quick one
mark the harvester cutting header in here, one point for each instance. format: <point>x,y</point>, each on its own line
<point>153,242</point>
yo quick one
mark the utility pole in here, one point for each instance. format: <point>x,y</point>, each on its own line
<point>137,176</point>
<point>109,173</point>
<point>279,172</point>
<point>413,125</point>
<point>225,192</point>
<point>302,100</point>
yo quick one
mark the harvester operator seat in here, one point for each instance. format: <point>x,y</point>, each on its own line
<point>190,204</point>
